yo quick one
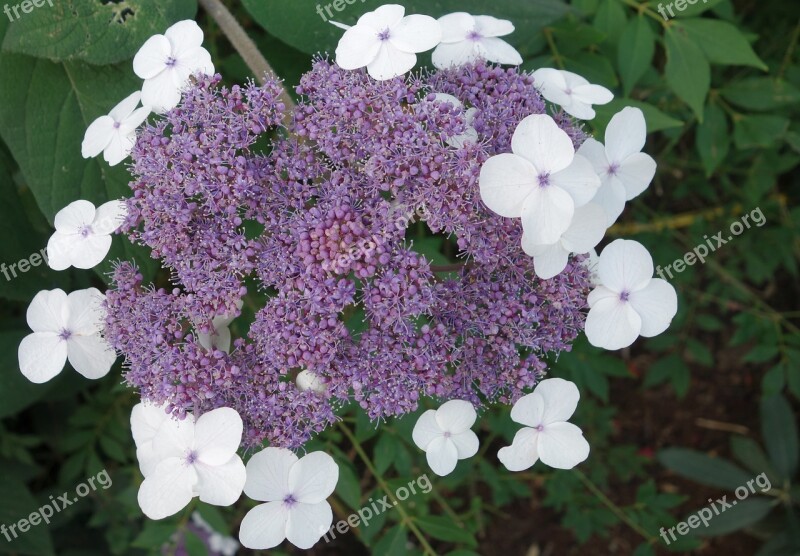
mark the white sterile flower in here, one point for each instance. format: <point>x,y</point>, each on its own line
<point>571,91</point>
<point>195,458</point>
<point>542,182</point>
<point>166,62</point>
<point>309,380</point>
<point>445,435</point>
<point>83,234</point>
<point>295,491</point>
<point>65,327</point>
<point>221,337</point>
<point>386,42</point>
<point>470,135</point>
<point>146,420</point>
<point>629,302</point>
<point>466,38</point>
<point>624,169</point>
<point>217,543</point>
<point>546,435</point>
<point>115,134</point>
<point>587,229</point>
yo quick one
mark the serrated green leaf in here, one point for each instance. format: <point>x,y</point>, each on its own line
<point>721,42</point>
<point>761,93</point>
<point>687,71</point>
<point>95,32</point>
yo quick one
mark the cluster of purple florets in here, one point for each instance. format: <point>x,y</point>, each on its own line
<point>318,220</point>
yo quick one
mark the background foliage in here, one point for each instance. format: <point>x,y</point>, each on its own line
<point>720,87</point>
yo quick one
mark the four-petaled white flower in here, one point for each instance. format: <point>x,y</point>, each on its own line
<point>546,435</point>
<point>470,135</point>
<point>65,327</point>
<point>542,182</point>
<point>115,134</point>
<point>445,435</point>
<point>146,420</point>
<point>629,302</point>
<point>587,229</point>
<point>624,170</point>
<point>83,234</point>
<point>166,62</point>
<point>295,491</point>
<point>571,91</point>
<point>309,380</point>
<point>195,458</point>
<point>386,42</point>
<point>220,338</point>
<point>466,38</point>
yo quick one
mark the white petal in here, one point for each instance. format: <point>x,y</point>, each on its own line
<point>194,61</point>
<point>91,356</point>
<point>625,134</point>
<point>454,54</point>
<point>456,416</point>
<point>41,356</point>
<point>358,47</point>
<point>74,217</point>
<point>183,36</point>
<point>500,52</point>
<point>426,430</point>
<point>161,93</point>
<point>97,137</point>
<point>579,179</point>
<point>268,474</point>
<point>599,293</point>
<point>562,446</point>
<point>126,107</point>
<point>90,251</point>
<point>522,453</point>
<point>168,489</point>
<point>133,121</point>
<point>109,217</point>
<point>625,265</point>
<point>489,26</point>
<point>656,304</point>
<point>308,523</point>
<point>592,94</point>
<point>308,380</point>
<point>636,172</point>
<point>587,229</point>
<point>552,85</point>
<point>313,478</point>
<point>528,410</point>
<point>612,324</point>
<point>148,458</point>
<point>217,435</point>
<point>59,248</point>
<point>611,197</point>
<point>442,456</point>
<point>595,152</point>
<point>339,25</point>
<point>560,399</point>
<point>573,80</point>
<point>86,315</point>
<point>220,485</point>
<point>146,419</point>
<point>119,148</point>
<point>470,136</point>
<point>175,438</point>
<point>384,17</point>
<point>264,526</point>
<point>48,311</point>
<point>456,26</point>
<point>539,140</point>
<point>390,62</point>
<point>466,444</point>
<point>416,33</point>
<point>506,180</point>
<point>547,214</point>
<point>550,260</point>
<point>151,59</point>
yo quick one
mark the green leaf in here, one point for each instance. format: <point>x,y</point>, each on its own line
<point>44,113</point>
<point>392,543</point>
<point>752,456</point>
<point>713,138</point>
<point>384,452</point>
<point>194,544</point>
<point>610,18</point>
<point>670,369</point>
<point>593,67</point>
<point>445,529</point>
<point>304,25</point>
<point>697,8</point>
<point>635,53</point>
<point>722,42</point>
<point>18,503</point>
<point>154,535</point>
<point>779,430</point>
<point>755,131</point>
<point>741,514</point>
<point>655,118</point>
<point>214,518</point>
<point>95,32</point>
<point>348,487</point>
<point>761,93</point>
<point>704,469</point>
<point>687,71</point>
